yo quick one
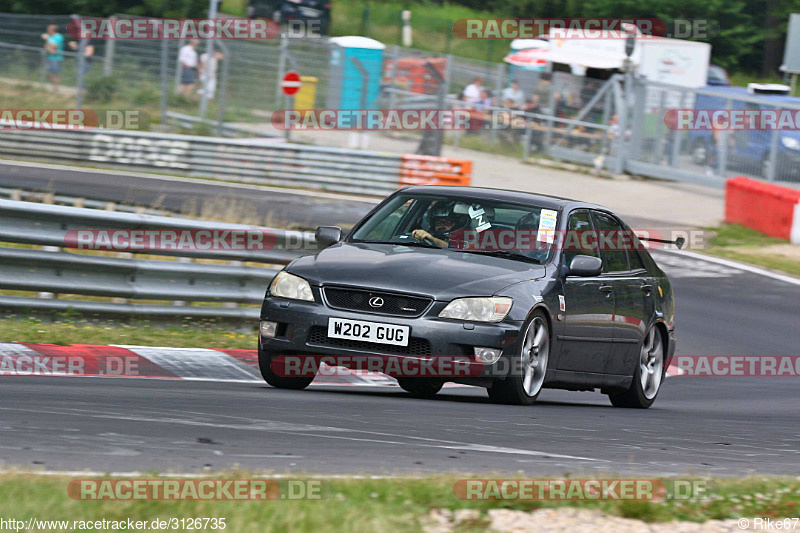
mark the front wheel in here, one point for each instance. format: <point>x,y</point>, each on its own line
<point>647,376</point>
<point>280,382</point>
<point>528,367</point>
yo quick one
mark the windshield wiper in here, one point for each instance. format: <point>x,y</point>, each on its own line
<point>403,243</point>
<point>503,253</point>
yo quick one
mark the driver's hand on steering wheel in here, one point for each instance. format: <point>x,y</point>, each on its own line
<point>421,235</point>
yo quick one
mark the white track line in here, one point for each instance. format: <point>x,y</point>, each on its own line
<point>735,264</point>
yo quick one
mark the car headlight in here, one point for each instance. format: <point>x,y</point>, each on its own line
<point>492,309</point>
<point>287,285</point>
<point>791,143</point>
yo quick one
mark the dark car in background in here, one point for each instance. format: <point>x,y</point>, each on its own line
<point>412,280</point>
<point>285,10</point>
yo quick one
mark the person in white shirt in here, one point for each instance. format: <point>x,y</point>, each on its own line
<point>473,91</point>
<point>188,60</point>
<point>208,71</point>
<point>514,94</point>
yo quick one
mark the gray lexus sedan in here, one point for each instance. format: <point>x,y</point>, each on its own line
<point>515,291</point>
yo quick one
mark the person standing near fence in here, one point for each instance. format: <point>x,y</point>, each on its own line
<point>54,44</point>
<point>88,54</point>
<point>188,60</point>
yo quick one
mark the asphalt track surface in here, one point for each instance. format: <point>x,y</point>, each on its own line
<point>715,425</point>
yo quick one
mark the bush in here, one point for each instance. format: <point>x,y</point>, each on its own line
<point>146,95</point>
<point>102,90</point>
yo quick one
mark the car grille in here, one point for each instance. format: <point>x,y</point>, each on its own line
<point>359,300</point>
<point>318,335</point>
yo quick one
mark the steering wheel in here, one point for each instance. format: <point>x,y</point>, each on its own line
<point>409,235</point>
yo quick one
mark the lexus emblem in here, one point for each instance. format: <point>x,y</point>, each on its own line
<point>376,301</point>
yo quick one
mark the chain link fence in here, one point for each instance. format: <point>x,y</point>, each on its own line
<point>561,115</point>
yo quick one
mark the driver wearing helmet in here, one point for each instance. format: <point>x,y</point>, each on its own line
<point>443,223</point>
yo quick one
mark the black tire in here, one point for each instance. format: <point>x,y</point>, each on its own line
<point>420,387</point>
<point>636,397</point>
<point>512,389</point>
<point>280,382</point>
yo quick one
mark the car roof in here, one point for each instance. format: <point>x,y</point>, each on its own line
<point>503,195</point>
<point>733,91</point>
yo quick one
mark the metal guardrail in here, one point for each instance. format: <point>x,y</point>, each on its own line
<point>260,161</point>
<point>181,281</point>
<point>75,201</point>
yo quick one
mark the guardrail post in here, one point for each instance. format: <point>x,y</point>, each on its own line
<point>164,80</point>
<point>232,305</point>
<point>772,169</point>
<point>498,89</point>
<point>43,69</point>
<point>179,303</point>
<point>108,59</point>
<point>722,165</point>
<point>677,135</point>
<point>49,295</point>
<point>526,139</point>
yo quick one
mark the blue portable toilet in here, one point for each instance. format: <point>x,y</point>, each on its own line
<point>347,88</point>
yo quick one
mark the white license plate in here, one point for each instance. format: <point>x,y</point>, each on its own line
<point>360,330</point>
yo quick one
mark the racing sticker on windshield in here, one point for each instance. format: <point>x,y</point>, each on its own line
<point>547,226</point>
<point>477,214</point>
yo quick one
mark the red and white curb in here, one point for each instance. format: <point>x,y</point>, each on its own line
<point>148,362</point>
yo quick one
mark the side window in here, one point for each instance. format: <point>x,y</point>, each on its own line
<point>635,253</point>
<point>614,259</point>
<point>580,238</point>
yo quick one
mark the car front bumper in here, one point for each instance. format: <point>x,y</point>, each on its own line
<point>299,332</point>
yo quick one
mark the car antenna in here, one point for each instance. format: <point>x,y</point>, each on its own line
<point>679,242</point>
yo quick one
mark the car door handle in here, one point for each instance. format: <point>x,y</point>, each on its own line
<point>646,287</point>
<point>606,288</point>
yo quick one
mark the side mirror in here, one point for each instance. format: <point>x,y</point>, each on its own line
<point>585,266</point>
<point>327,235</point>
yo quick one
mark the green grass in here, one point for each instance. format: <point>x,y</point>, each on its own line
<point>399,504</point>
<point>732,241</point>
<point>69,328</point>
<point>484,144</point>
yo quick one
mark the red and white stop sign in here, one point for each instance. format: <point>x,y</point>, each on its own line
<point>291,83</point>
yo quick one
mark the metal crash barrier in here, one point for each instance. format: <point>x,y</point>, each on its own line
<point>258,161</point>
<point>53,270</point>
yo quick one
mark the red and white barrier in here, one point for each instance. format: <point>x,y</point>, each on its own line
<point>765,207</point>
<point>150,362</point>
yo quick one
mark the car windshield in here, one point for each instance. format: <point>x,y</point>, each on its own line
<point>468,225</point>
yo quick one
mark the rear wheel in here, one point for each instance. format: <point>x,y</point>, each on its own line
<point>528,368</point>
<point>420,387</point>
<point>280,382</point>
<point>648,375</point>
